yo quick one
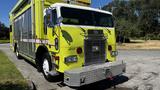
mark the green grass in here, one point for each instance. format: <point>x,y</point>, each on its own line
<point>4,41</point>
<point>10,77</point>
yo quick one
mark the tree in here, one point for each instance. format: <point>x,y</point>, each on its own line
<point>4,31</point>
<point>148,20</point>
<point>136,18</point>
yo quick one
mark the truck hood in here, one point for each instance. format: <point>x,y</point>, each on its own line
<point>73,36</point>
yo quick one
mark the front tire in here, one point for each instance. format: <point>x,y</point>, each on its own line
<point>46,66</point>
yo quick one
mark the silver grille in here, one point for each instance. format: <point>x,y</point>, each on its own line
<point>94,49</point>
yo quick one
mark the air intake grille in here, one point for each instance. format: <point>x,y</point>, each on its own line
<point>94,50</point>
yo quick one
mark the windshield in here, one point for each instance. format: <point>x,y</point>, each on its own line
<point>74,16</point>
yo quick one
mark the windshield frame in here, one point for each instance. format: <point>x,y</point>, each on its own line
<point>92,10</point>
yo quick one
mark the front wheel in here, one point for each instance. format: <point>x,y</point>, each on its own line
<point>46,66</point>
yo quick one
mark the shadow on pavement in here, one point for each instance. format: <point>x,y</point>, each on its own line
<point>58,78</point>
<point>105,84</point>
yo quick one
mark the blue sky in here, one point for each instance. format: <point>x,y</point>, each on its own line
<point>99,3</point>
<point>7,5</point>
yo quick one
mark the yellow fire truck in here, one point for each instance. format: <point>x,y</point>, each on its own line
<point>66,37</point>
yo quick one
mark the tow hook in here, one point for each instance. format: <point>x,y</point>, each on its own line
<point>108,74</point>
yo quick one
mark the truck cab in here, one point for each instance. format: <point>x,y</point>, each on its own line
<point>83,37</point>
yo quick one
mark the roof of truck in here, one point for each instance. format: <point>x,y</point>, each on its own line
<point>79,7</point>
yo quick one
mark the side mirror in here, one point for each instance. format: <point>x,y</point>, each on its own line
<point>49,15</point>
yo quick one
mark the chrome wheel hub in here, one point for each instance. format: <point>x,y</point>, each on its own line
<point>46,67</point>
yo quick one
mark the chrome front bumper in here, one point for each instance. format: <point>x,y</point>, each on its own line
<point>93,73</point>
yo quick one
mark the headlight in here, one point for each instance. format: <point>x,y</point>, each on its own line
<point>71,59</point>
<point>114,53</point>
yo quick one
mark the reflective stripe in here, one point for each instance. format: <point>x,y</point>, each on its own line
<point>37,41</point>
<point>34,41</point>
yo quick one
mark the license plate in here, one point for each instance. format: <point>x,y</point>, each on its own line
<point>95,48</point>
